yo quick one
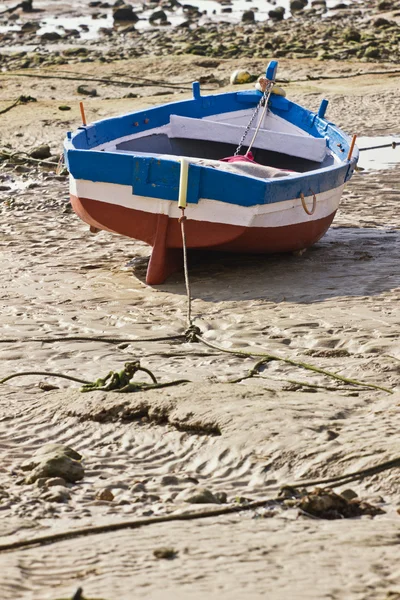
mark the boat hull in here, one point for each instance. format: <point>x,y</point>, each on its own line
<point>278,227</point>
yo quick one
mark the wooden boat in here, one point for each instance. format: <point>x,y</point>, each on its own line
<point>125,175</point>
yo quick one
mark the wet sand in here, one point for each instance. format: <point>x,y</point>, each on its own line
<point>335,306</point>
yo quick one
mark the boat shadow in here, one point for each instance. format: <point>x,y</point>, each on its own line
<point>347,261</point>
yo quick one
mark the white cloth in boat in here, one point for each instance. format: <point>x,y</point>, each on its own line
<point>243,168</point>
<point>239,167</point>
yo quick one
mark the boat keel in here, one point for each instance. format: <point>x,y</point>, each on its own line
<point>163,261</point>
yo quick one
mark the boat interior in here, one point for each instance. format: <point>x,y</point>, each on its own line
<point>278,144</point>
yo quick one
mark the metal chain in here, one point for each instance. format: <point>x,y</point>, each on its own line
<point>263,99</point>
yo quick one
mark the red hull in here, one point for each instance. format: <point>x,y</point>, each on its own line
<point>164,234</point>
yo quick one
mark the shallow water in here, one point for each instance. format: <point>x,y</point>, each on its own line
<point>378,158</point>
<point>89,26</point>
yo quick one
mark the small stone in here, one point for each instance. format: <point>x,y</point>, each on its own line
<point>50,36</point>
<point>277,13</point>
<point>372,53</point>
<point>166,553</point>
<point>86,90</point>
<point>241,76</point>
<point>138,488</point>
<point>381,22</point>
<point>125,13</point>
<point>29,26</point>
<point>351,35</point>
<point>26,6</point>
<point>198,495</point>
<point>349,494</point>
<point>57,465</point>
<point>75,52</point>
<point>158,15</point>
<point>4,188</point>
<point>45,385</point>
<point>105,495</point>
<point>153,498</point>
<point>41,152</point>
<point>169,480</point>
<point>64,107</point>
<point>222,497</point>
<point>57,494</point>
<point>55,481</point>
<point>41,482</point>
<point>296,5</point>
<point>248,16</point>
<point>331,435</point>
<point>62,448</point>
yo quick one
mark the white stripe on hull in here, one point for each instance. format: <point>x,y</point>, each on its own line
<point>277,214</point>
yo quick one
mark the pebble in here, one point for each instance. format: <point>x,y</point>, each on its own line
<point>105,495</point>
<point>349,494</point>
<point>54,460</point>
<point>86,90</point>
<point>41,152</point>
<point>248,16</point>
<point>241,76</point>
<point>57,465</point>
<point>55,481</point>
<point>50,36</point>
<point>47,449</point>
<point>57,493</point>
<point>125,13</point>
<point>297,5</point>
<point>277,13</point>
<point>169,480</point>
<point>138,488</point>
<point>158,15</point>
<point>198,495</point>
<point>166,553</point>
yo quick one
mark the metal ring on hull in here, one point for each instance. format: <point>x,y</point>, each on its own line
<point>303,202</point>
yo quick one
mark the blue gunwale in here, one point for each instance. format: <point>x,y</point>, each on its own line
<point>159,178</point>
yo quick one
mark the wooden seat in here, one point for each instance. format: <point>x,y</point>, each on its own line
<point>301,146</point>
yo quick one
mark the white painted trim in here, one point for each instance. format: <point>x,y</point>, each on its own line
<point>278,214</point>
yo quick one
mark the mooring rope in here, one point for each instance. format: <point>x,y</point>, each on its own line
<point>182,221</point>
<point>84,338</point>
<point>194,334</point>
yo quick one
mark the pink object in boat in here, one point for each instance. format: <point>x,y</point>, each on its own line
<point>240,158</point>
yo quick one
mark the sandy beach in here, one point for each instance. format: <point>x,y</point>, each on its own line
<point>146,454</point>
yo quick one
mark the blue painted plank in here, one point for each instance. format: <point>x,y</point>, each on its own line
<point>160,178</point>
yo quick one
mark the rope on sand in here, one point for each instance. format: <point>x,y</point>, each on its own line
<point>271,357</point>
<point>20,100</point>
<point>195,332</point>
<point>133,387</point>
<point>81,338</point>
<point>191,516</point>
<point>129,84</point>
